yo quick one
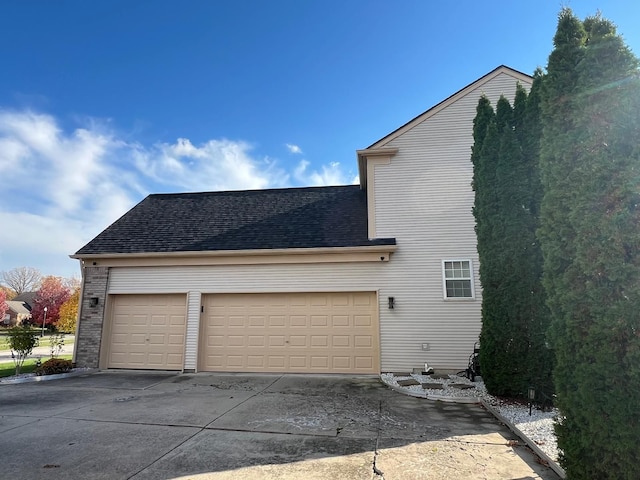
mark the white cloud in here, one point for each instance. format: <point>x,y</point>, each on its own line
<point>331,174</point>
<point>294,148</point>
<point>62,188</point>
<point>214,165</point>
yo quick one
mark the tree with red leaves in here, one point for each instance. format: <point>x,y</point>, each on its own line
<point>3,304</point>
<point>52,294</point>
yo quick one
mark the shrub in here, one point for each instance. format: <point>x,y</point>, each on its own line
<point>56,344</point>
<point>53,366</point>
<point>21,341</point>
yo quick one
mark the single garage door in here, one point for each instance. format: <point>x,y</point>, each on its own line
<point>290,332</point>
<point>147,331</point>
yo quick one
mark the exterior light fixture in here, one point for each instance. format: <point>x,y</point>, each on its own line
<point>93,302</point>
<point>391,303</point>
<point>531,395</point>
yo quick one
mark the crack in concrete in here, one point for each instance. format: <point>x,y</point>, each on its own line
<point>376,471</point>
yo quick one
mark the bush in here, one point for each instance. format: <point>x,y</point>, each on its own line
<point>53,366</point>
<point>21,341</point>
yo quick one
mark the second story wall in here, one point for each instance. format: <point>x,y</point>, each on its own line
<point>423,198</point>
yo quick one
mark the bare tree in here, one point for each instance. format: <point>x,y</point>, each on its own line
<point>22,279</point>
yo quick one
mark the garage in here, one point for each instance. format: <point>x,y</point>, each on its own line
<point>147,332</point>
<point>290,332</point>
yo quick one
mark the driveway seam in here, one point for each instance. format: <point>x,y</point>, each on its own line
<point>201,429</point>
<point>242,402</point>
<point>166,453</point>
<point>36,419</point>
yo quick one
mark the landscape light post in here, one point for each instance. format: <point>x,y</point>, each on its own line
<point>44,320</point>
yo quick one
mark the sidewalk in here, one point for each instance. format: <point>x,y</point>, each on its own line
<point>42,352</point>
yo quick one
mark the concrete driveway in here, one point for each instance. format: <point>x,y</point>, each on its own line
<point>132,425</point>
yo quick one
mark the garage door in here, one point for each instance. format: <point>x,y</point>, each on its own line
<point>147,331</point>
<point>290,332</point>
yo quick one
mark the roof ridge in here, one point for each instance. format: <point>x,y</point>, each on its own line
<point>254,191</point>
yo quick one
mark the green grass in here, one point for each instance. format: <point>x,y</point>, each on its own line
<point>8,369</point>
<point>69,339</point>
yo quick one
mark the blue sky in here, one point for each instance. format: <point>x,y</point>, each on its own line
<point>104,102</point>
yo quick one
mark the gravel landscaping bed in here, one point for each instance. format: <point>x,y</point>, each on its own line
<point>538,427</point>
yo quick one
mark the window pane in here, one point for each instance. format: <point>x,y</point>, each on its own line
<point>457,270</point>
<point>459,288</point>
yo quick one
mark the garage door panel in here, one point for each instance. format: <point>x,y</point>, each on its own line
<point>298,340</point>
<point>341,341</point>
<point>340,320</point>
<point>298,321</point>
<point>362,320</point>
<point>341,363</point>
<point>236,321</point>
<point>361,341</point>
<point>257,321</point>
<point>255,341</point>
<point>147,331</point>
<point>256,361</point>
<point>276,321</point>
<point>319,320</point>
<point>290,332</point>
<point>276,341</point>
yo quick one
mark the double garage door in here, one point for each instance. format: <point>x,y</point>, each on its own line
<point>275,332</point>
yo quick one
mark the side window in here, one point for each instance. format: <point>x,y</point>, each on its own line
<point>457,278</point>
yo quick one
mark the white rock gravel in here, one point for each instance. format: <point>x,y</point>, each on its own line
<point>538,427</point>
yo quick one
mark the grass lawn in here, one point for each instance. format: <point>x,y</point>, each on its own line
<point>69,339</point>
<point>8,369</point>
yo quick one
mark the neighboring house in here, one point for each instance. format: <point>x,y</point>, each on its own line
<point>29,298</point>
<point>381,276</point>
<point>17,313</point>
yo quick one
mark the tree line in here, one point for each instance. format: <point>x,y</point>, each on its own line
<point>557,208</point>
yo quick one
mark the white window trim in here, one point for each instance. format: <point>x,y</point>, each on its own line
<point>444,280</point>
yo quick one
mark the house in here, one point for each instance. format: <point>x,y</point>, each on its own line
<point>17,313</point>
<point>19,308</point>
<point>29,299</point>
<point>381,276</point>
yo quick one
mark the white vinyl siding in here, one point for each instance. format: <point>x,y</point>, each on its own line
<point>423,198</point>
<point>193,317</point>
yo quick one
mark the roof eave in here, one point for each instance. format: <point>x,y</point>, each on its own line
<point>362,156</point>
<point>232,253</point>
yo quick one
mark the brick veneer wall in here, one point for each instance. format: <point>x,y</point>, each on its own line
<point>91,318</point>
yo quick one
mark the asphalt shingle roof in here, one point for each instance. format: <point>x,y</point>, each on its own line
<point>27,297</point>
<point>18,307</point>
<point>240,220</point>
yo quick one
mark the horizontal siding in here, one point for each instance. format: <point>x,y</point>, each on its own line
<point>424,200</point>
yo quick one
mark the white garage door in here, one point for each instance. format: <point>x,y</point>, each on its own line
<point>147,331</point>
<point>290,332</point>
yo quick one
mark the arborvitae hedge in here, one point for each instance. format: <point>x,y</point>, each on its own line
<point>590,234</point>
<point>513,354</point>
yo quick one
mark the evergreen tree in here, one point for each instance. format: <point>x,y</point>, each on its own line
<point>512,354</point>
<point>540,357</point>
<point>499,346</point>
<point>590,219</point>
